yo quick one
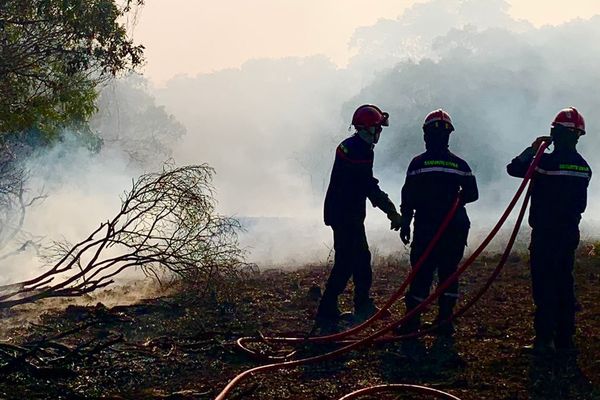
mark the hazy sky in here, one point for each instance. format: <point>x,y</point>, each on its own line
<point>196,36</point>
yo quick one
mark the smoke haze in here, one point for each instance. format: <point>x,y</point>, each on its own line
<point>270,128</point>
<point>83,186</point>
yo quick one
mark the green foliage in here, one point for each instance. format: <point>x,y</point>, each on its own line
<point>53,54</point>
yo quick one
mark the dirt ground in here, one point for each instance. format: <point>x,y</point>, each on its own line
<point>179,347</point>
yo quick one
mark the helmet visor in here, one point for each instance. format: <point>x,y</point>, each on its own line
<point>440,124</point>
<point>385,119</point>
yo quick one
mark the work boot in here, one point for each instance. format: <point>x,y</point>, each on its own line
<point>541,347</point>
<point>367,309</point>
<point>414,323</point>
<point>565,345</point>
<point>411,326</point>
<point>445,312</point>
<point>327,323</point>
<point>415,350</point>
<point>444,328</point>
<point>327,312</point>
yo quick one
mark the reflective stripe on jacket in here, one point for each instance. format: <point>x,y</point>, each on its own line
<point>432,182</point>
<point>559,191</point>
<point>351,183</point>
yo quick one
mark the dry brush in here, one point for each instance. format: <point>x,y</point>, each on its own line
<point>167,223</point>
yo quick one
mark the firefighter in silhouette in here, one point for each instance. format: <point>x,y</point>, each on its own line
<point>433,180</point>
<point>351,183</point>
<point>558,198</point>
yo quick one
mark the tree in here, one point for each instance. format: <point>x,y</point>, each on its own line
<point>14,202</point>
<point>129,121</point>
<point>53,54</point>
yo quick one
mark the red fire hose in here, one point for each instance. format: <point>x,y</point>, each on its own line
<point>400,388</point>
<point>241,342</point>
<point>440,289</point>
<point>462,310</point>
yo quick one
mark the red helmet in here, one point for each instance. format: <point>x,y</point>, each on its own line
<point>440,118</point>
<point>369,115</point>
<point>570,118</point>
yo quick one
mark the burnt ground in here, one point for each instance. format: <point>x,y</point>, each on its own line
<point>180,347</point>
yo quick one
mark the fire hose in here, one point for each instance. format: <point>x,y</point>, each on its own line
<point>377,336</point>
<point>393,298</point>
<point>400,388</point>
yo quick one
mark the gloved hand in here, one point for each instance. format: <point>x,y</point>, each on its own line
<point>396,220</point>
<point>405,234</point>
<point>538,141</point>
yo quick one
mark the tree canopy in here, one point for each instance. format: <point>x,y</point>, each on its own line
<point>129,121</point>
<point>53,54</point>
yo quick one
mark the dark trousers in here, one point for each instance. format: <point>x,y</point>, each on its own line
<point>552,257</point>
<point>444,259</point>
<point>352,259</point>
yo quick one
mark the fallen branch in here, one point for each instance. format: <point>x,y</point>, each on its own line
<point>167,223</point>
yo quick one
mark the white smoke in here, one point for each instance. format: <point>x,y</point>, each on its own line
<point>83,187</point>
<point>270,128</point>
<point>82,191</point>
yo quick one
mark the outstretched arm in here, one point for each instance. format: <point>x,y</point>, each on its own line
<point>520,164</point>
<point>381,200</point>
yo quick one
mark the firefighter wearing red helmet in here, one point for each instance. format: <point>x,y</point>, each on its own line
<point>350,185</point>
<point>558,198</point>
<point>433,180</point>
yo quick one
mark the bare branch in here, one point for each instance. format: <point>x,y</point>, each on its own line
<point>167,224</point>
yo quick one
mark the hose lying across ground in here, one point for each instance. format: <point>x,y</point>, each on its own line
<point>378,336</point>
<point>400,388</point>
<point>337,336</point>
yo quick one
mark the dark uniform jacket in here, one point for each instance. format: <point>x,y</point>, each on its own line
<point>432,183</point>
<point>559,191</point>
<point>351,183</point>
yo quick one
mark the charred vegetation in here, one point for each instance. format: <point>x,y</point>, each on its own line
<point>182,346</point>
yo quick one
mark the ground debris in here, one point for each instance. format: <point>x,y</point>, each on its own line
<point>183,347</point>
